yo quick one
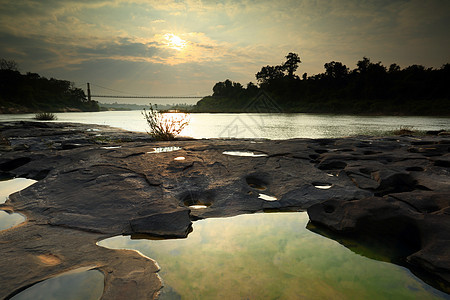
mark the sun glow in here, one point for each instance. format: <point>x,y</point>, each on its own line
<point>175,42</point>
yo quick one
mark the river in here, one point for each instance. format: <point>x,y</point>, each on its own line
<point>258,125</point>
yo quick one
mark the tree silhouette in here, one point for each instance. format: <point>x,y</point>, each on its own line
<point>336,70</point>
<point>269,74</point>
<point>8,65</point>
<point>368,89</point>
<point>291,64</point>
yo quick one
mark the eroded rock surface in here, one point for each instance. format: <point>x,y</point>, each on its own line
<point>96,182</point>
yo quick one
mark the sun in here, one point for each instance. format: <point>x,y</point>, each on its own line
<point>175,42</point>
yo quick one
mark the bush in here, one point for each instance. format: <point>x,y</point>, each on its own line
<point>45,116</point>
<point>404,130</point>
<point>164,127</point>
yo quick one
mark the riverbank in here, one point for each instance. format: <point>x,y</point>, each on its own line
<point>96,181</point>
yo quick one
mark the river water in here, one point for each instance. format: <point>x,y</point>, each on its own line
<point>271,126</point>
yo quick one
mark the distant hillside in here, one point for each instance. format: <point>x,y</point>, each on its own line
<point>29,93</point>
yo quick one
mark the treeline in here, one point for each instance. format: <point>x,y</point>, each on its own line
<point>370,88</point>
<point>27,93</point>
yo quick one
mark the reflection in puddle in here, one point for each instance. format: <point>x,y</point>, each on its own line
<point>164,149</point>
<point>198,206</point>
<point>111,147</point>
<point>322,186</point>
<point>244,153</point>
<point>77,284</point>
<point>270,256</point>
<point>267,197</point>
<point>8,187</point>
<point>179,158</point>
<point>10,220</point>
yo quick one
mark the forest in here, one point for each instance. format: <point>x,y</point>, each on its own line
<point>28,93</point>
<point>370,88</point>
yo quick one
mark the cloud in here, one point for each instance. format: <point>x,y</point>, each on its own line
<point>234,37</point>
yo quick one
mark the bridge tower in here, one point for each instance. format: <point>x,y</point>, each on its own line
<point>88,92</point>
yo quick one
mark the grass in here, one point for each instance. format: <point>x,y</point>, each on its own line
<point>45,116</point>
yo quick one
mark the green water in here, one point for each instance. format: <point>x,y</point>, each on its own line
<point>78,284</point>
<point>271,256</point>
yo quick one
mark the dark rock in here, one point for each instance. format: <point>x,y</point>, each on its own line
<point>14,163</point>
<point>175,224</point>
<point>397,223</point>
<point>392,181</point>
<point>332,165</point>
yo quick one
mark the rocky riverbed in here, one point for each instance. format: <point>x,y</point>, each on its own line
<point>96,182</point>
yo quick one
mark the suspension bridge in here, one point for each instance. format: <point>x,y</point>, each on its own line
<point>90,96</point>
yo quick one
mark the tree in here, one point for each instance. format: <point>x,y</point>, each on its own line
<point>336,70</point>
<point>363,65</point>
<point>8,65</point>
<point>291,64</point>
<point>227,88</point>
<point>269,74</point>
<point>394,68</point>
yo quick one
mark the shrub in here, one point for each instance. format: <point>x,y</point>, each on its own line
<point>43,116</point>
<point>404,130</point>
<point>164,127</point>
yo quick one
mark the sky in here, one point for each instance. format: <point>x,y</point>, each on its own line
<point>183,47</point>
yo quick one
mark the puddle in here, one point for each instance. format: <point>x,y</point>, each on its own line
<point>111,147</point>
<point>244,153</point>
<point>164,149</point>
<point>93,129</point>
<point>322,186</point>
<point>193,203</point>
<point>10,220</point>
<point>8,187</point>
<point>198,206</point>
<point>77,284</point>
<point>179,158</point>
<point>267,197</point>
<point>270,256</point>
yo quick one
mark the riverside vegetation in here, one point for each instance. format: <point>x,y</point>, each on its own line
<point>164,127</point>
<point>370,88</point>
<point>26,93</point>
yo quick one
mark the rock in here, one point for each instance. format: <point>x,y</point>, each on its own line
<point>175,224</point>
<point>401,224</point>
<point>393,181</point>
<point>374,187</point>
